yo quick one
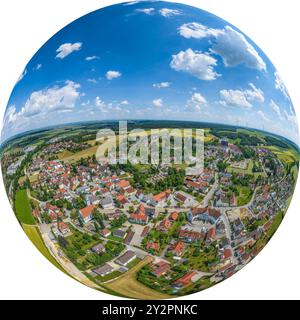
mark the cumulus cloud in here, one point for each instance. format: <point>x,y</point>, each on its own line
<point>279,85</point>
<point>165,12</point>
<point>196,30</point>
<point>146,11</point>
<point>158,103</point>
<point>162,85</point>
<point>44,102</point>
<point>198,64</point>
<point>234,49</point>
<point>255,94</point>
<point>124,103</point>
<point>90,58</point>
<point>99,103</point>
<point>274,106</point>
<point>241,98</point>
<point>67,48</point>
<point>228,43</point>
<point>196,102</point>
<point>263,116</point>
<point>113,74</point>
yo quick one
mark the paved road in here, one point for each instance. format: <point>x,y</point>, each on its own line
<point>62,258</point>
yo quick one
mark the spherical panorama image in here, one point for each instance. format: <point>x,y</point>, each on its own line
<point>150,150</point>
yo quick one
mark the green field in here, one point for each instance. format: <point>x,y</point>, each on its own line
<point>23,210</point>
<point>288,156</point>
<point>245,194</point>
<point>79,155</point>
<point>33,234</point>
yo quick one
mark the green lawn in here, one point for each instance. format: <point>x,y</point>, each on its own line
<point>245,194</point>
<point>22,208</point>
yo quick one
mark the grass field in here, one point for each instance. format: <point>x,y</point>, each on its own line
<point>64,154</point>
<point>33,234</point>
<point>82,154</point>
<point>128,286</point>
<point>245,195</point>
<point>285,155</point>
<point>23,209</point>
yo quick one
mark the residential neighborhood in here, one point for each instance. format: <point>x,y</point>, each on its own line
<point>177,233</point>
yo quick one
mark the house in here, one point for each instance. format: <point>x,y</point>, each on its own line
<point>161,198</point>
<point>152,246</point>
<point>86,214</point>
<point>226,254</point>
<point>105,233</point>
<point>123,184</point>
<point>119,234</point>
<point>164,225</point>
<point>103,270</point>
<point>129,237</point>
<point>186,199</point>
<point>126,258</point>
<point>99,248</point>
<point>107,203</point>
<point>185,280</point>
<point>190,235</point>
<point>145,231</point>
<point>121,199</point>
<point>211,233</point>
<point>174,216</point>
<point>63,227</point>
<point>160,268</point>
<point>139,217</point>
<point>177,248</point>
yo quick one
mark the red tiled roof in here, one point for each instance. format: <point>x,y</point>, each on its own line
<point>87,211</point>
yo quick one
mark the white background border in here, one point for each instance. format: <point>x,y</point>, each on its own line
<point>26,25</point>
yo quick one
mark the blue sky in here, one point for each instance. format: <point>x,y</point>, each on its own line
<point>150,60</point>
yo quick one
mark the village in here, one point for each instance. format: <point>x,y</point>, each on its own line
<point>196,230</point>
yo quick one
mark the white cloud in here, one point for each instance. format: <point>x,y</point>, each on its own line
<point>99,103</point>
<point>130,3</point>
<point>228,43</point>
<point>92,80</point>
<point>234,49</point>
<point>10,115</point>
<point>146,11</point>
<point>275,108</point>
<point>90,58</point>
<point>38,66</point>
<point>291,117</point>
<point>42,103</point>
<point>263,116</point>
<point>255,94</point>
<point>196,30</point>
<point>162,85</point>
<point>196,103</point>
<point>113,74</point>
<point>67,48</point>
<point>22,75</point>
<point>124,103</point>
<point>165,12</point>
<point>158,103</point>
<point>234,98</point>
<point>242,98</point>
<point>279,85</point>
<point>198,64</point>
